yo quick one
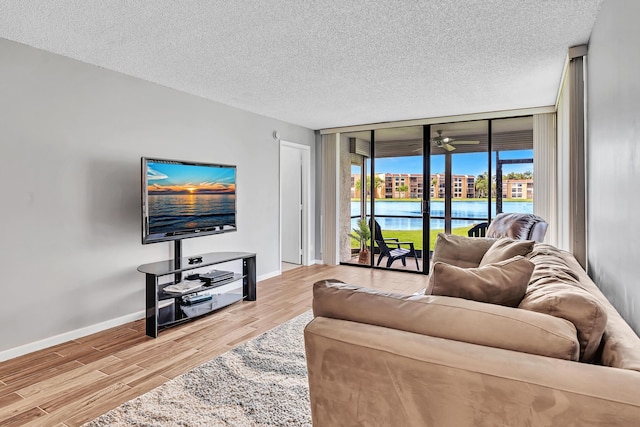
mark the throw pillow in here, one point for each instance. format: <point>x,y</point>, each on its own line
<point>506,248</point>
<point>460,251</point>
<point>503,283</point>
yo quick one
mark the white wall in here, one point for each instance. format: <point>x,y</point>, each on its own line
<point>613,151</point>
<point>72,136</point>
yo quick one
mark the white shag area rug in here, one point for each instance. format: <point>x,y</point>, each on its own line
<point>262,382</point>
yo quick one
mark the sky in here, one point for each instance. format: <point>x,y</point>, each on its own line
<point>176,178</point>
<point>462,164</point>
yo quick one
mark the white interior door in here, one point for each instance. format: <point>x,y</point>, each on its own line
<point>291,204</point>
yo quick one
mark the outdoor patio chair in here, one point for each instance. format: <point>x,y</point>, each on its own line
<point>391,248</point>
<point>478,230</point>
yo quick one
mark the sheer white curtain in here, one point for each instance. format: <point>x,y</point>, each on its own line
<point>571,157</point>
<point>545,166</point>
<point>329,222</point>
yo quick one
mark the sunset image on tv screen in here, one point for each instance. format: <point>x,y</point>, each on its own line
<point>185,198</point>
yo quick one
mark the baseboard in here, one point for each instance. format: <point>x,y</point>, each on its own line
<point>68,336</point>
<point>269,275</point>
<point>317,261</point>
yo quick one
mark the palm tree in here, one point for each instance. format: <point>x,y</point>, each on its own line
<point>519,175</point>
<point>482,185</point>
<point>402,189</point>
<point>434,183</point>
<point>362,234</point>
<point>379,183</point>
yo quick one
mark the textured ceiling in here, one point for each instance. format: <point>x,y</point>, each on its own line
<point>323,63</point>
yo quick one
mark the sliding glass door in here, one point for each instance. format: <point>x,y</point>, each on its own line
<point>387,191</point>
<point>397,218</point>
<point>459,165</point>
<point>407,184</point>
<point>355,199</point>
<point>512,165</point>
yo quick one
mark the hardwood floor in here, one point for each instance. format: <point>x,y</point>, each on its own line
<point>74,382</point>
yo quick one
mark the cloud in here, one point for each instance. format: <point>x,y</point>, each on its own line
<point>154,174</point>
<point>157,188</point>
<point>189,188</point>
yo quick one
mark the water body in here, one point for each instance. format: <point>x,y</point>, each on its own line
<point>183,212</point>
<point>459,208</point>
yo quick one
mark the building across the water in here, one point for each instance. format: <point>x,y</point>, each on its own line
<point>411,186</point>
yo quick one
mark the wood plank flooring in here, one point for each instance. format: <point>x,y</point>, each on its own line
<point>74,382</point>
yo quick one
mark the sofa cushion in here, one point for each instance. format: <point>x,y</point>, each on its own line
<point>503,283</point>
<point>620,344</point>
<point>566,301</point>
<point>551,265</point>
<point>504,249</point>
<point>451,318</point>
<point>556,288</point>
<point>460,251</point>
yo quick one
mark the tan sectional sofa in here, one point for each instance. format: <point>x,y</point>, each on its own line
<point>564,357</point>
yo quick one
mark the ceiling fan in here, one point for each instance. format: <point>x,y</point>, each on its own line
<point>448,143</point>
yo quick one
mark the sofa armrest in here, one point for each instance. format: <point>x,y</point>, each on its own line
<point>446,317</point>
<point>363,374</point>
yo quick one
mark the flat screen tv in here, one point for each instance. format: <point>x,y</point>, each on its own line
<point>183,199</point>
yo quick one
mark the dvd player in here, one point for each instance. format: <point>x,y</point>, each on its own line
<point>216,276</point>
<point>196,299</point>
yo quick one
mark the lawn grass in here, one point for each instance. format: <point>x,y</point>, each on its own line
<point>415,236</point>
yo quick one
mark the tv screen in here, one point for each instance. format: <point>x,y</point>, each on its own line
<point>186,199</point>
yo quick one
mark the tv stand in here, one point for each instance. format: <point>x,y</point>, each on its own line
<point>166,309</point>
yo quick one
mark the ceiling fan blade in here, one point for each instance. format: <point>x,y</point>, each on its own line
<point>466,142</point>
<point>448,147</point>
